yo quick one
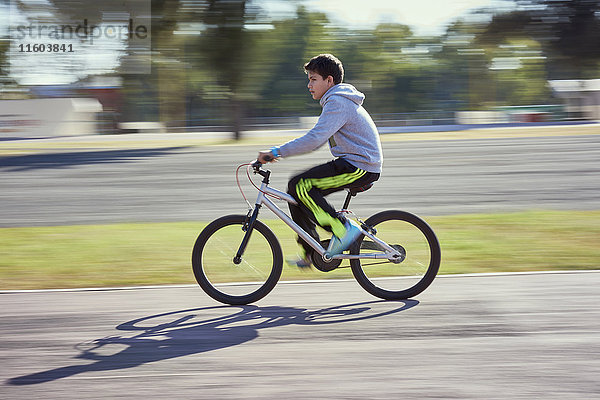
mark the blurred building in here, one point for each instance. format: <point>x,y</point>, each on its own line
<point>581,96</point>
<point>89,106</point>
<point>47,117</point>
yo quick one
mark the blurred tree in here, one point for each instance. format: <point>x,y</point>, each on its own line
<point>390,65</point>
<point>519,73</point>
<point>395,70</point>
<point>482,74</point>
<point>568,30</point>
<point>166,85</point>
<point>277,71</point>
<point>216,61</point>
<point>463,68</point>
<point>4,46</point>
<point>226,46</point>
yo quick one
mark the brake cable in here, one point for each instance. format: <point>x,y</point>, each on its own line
<point>237,179</point>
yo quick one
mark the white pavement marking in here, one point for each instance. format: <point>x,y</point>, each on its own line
<point>483,274</point>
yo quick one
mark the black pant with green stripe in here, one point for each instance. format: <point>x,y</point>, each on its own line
<point>310,188</point>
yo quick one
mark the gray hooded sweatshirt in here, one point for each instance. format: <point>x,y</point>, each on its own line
<point>347,126</point>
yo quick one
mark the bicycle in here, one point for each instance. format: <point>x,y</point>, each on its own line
<point>396,257</point>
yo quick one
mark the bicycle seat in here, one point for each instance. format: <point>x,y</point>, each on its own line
<point>354,190</point>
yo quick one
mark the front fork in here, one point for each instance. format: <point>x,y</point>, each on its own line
<point>248,227</point>
<point>252,216</point>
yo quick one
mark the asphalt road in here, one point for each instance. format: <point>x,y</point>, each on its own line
<point>481,337</point>
<point>178,183</point>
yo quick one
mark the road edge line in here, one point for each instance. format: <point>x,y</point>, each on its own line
<point>294,282</point>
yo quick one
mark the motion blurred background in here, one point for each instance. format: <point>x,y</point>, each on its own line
<point>193,65</point>
<point>106,177</point>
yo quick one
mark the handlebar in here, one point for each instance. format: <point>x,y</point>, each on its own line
<point>256,165</point>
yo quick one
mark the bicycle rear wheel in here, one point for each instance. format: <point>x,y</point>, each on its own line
<point>414,239</point>
<point>224,280</point>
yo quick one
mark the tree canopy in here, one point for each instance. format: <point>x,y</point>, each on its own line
<point>217,62</point>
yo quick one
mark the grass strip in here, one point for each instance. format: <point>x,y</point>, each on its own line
<point>159,253</point>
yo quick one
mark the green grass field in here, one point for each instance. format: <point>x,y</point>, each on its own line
<point>159,253</point>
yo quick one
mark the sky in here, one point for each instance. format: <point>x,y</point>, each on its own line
<point>425,17</point>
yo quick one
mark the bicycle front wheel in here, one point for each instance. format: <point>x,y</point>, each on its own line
<point>418,266</point>
<point>236,283</point>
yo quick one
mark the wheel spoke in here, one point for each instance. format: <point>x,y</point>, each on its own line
<point>219,275</point>
<point>254,268</point>
<point>416,243</point>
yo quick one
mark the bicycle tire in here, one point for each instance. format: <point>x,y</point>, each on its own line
<point>205,268</point>
<point>411,276</point>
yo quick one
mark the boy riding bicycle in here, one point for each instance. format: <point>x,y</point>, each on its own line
<point>354,141</point>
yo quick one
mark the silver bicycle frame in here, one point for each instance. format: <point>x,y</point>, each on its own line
<point>388,252</point>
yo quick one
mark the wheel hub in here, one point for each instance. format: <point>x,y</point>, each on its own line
<point>401,256</point>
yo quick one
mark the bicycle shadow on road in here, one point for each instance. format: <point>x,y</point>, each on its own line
<point>77,158</point>
<point>186,332</point>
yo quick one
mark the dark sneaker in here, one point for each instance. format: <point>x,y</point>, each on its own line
<point>339,245</point>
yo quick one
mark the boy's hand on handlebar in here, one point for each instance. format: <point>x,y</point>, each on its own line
<point>265,156</point>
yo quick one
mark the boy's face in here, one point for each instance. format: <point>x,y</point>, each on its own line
<point>317,86</point>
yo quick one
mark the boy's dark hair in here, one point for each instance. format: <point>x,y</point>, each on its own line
<point>325,65</point>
